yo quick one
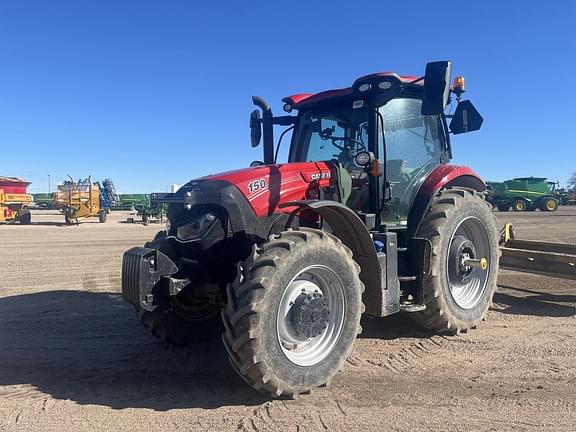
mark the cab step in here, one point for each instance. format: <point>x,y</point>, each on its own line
<point>407,278</point>
<point>412,307</point>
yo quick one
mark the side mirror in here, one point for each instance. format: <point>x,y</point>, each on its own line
<point>436,87</point>
<point>255,128</point>
<point>466,118</point>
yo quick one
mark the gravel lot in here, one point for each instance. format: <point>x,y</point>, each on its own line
<point>73,357</point>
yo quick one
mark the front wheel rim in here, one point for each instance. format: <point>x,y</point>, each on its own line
<point>315,282</point>
<point>467,287</point>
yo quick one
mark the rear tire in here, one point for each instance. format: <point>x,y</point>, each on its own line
<point>69,216</point>
<point>549,204</point>
<point>460,225</point>
<point>503,207</point>
<point>293,312</point>
<point>168,322</point>
<point>24,217</point>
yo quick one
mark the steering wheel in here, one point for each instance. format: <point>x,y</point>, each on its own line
<point>360,145</point>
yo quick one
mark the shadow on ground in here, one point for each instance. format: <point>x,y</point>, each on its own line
<point>46,223</point>
<point>49,223</point>
<point>520,301</point>
<point>89,348</point>
<point>392,327</point>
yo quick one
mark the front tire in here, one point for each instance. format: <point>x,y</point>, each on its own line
<point>293,312</point>
<point>460,227</point>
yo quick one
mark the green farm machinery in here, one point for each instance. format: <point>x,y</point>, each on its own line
<point>43,201</point>
<point>523,194</point>
<point>150,207</point>
<point>130,201</point>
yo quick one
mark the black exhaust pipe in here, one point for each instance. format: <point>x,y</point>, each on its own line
<point>267,129</point>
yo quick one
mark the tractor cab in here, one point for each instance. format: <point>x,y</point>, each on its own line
<point>385,134</point>
<point>407,147</point>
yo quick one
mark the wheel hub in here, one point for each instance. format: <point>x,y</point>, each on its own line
<point>309,315</point>
<point>461,250</point>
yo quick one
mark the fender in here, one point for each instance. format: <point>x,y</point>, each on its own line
<point>349,228</point>
<point>442,177</point>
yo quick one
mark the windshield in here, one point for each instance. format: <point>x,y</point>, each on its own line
<point>338,134</point>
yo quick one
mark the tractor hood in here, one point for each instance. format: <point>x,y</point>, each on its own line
<point>265,187</point>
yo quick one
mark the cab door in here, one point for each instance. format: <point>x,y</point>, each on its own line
<point>414,144</point>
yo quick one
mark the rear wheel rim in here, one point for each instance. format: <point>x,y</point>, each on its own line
<point>302,350</point>
<point>551,205</point>
<point>468,285</point>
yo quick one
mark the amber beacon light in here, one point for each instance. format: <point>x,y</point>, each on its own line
<point>459,86</point>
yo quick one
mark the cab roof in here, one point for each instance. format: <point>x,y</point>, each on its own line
<point>301,100</point>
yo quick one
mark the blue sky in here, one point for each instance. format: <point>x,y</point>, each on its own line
<point>152,93</point>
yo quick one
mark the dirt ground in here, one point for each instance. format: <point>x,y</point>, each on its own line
<point>73,357</point>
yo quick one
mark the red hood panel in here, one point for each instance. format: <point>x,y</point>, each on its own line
<point>267,186</point>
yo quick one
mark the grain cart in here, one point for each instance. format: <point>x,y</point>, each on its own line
<point>81,199</point>
<point>524,193</point>
<point>14,200</point>
<point>367,216</point>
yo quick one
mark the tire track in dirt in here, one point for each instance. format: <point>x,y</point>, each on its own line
<point>402,354</point>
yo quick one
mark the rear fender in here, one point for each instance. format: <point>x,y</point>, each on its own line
<point>443,177</point>
<point>348,227</point>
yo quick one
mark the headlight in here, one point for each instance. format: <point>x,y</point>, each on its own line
<point>196,229</point>
<point>364,87</point>
<point>363,158</point>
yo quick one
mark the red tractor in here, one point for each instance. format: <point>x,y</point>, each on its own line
<point>282,259</point>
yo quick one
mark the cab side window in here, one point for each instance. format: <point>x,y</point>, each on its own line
<point>414,147</point>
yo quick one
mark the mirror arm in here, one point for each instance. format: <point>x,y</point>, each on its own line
<point>416,80</point>
<point>267,129</point>
<point>284,120</point>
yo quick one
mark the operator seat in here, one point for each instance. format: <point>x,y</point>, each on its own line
<point>395,170</point>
